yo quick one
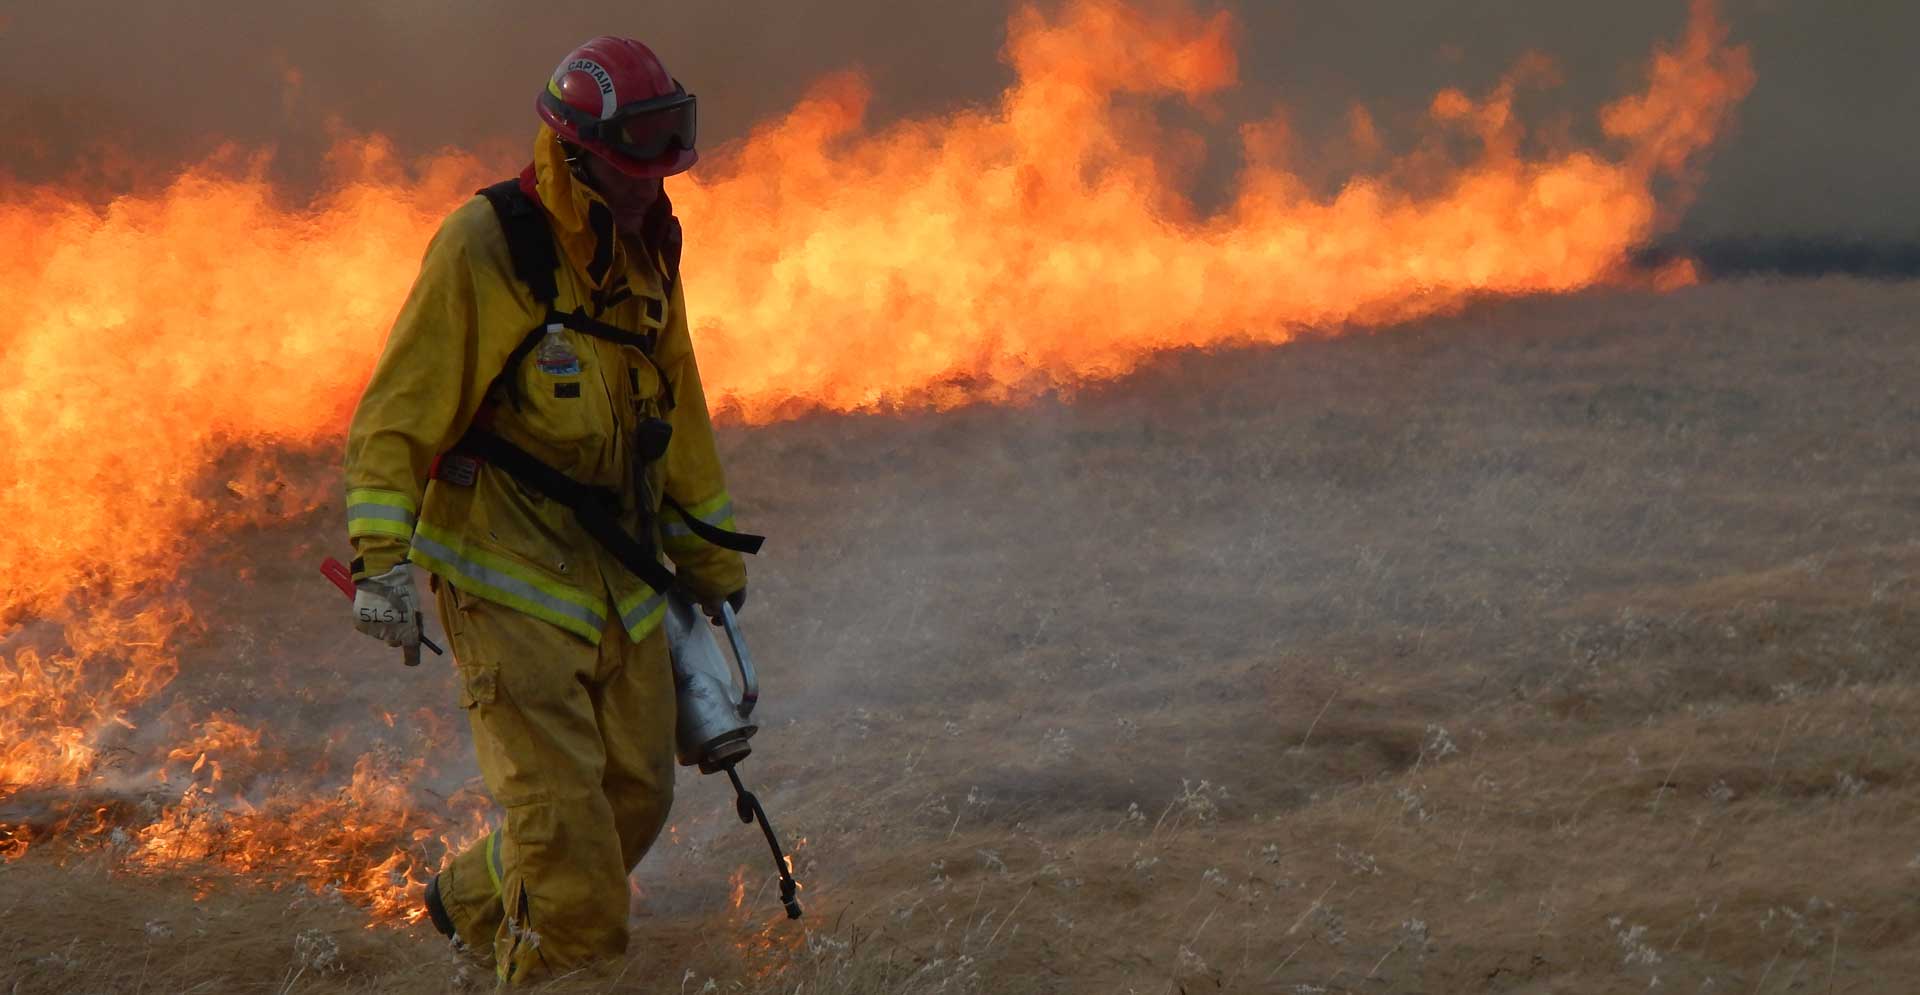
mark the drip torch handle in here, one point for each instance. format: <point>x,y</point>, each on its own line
<point>749,681</point>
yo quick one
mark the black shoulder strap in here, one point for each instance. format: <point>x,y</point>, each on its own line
<point>529,242</point>
<point>661,234</point>
<point>530,245</point>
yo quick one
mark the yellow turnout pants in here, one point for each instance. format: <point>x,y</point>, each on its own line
<point>576,742</point>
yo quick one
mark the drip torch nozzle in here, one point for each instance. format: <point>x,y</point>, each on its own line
<point>748,808</point>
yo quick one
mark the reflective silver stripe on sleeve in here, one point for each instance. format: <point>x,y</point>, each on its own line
<point>508,583</point>
<point>387,512</point>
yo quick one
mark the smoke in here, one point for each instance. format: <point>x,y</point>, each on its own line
<point>1793,256</point>
<point>117,96</point>
<point>122,93</point>
<point>114,95</point>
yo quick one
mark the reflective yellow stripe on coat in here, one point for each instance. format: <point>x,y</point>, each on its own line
<point>641,612</point>
<point>500,579</point>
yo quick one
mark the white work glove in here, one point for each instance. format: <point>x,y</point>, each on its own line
<point>386,608</point>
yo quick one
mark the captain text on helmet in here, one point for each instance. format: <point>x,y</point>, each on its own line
<point>534,436</point>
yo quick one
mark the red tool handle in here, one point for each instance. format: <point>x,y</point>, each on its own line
<point>342,578</point>
<point>337,572</point>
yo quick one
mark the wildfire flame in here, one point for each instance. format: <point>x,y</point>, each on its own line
<point>987,254</point>
<point>737,885</point>
<point>1043,241</point>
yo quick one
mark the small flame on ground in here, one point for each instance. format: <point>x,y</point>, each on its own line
<point>737,881</point>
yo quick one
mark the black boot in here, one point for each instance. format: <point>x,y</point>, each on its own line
<point>437,911</point>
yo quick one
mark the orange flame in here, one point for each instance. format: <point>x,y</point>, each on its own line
<point>737,881</point>
<point>1040,243</point>
<point>988,254</point>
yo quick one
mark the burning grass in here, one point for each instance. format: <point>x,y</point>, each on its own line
<point>890,286</point>
<point>1563,645</point>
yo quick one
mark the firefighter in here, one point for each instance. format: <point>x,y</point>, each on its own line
<point>534,435</point>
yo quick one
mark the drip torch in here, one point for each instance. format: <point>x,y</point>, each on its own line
<point>714,728</point>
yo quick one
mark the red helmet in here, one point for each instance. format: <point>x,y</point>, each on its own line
<point>612,97</point>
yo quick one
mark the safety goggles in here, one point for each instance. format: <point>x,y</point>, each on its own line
<point>645,129</point>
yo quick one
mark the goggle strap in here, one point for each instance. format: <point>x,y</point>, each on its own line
<point>609,131</point>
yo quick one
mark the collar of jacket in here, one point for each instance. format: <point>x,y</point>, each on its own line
<point>582,221</point>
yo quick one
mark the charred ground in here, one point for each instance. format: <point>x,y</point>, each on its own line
<point>1562,645</point>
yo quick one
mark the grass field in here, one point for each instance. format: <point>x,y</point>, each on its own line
<point>1564,645</point>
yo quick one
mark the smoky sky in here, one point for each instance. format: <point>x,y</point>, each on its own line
<point>117,93</point>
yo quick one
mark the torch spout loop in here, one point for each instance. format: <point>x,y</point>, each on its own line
<point>748,808</point>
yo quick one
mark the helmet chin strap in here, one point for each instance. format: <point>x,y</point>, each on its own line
<point>576,159</point>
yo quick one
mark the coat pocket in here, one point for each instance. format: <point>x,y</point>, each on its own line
<point>479,684</point>
<point>562,403</point>
<point>479,677</point>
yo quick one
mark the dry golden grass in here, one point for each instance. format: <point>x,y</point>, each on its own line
<point>1561,646</point>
